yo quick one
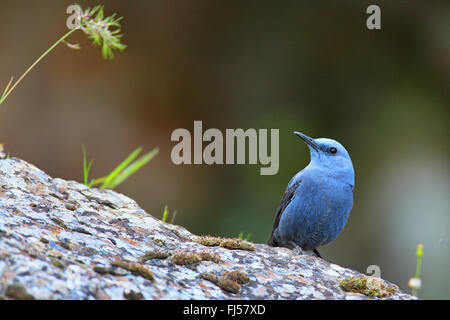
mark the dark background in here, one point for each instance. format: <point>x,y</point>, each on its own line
<point>310,66</point>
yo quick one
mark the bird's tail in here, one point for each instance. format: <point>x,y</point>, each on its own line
<point>272,241</point>
<point>317,253</point>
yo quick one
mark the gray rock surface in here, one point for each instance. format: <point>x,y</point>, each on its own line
<point>62,240</point>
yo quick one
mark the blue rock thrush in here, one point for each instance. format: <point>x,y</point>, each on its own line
<point>317,201</point>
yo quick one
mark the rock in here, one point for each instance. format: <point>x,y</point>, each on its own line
<point>62,240</point>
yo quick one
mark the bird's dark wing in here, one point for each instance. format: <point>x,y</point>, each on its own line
<point>287,198</point>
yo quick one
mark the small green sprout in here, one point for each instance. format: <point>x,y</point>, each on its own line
<point>415,282</point>
<point>96,27</point>
<point>164,216</point>
<point>86,167</point>
<point>122,172</point>
<point>247,237</point>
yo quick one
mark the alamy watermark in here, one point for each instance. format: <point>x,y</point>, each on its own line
<point>228,148</point>
<point>74,20</point>
<point>374,271</point>
<point>373,22</point>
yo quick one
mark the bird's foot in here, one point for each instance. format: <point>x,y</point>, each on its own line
<point>297,250</point>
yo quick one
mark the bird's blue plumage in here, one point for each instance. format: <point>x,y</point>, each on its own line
<point>318,199</point>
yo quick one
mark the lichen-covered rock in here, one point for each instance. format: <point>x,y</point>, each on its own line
<point>62,240</point>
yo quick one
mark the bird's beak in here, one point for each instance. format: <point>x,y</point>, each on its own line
<point>309,141</point>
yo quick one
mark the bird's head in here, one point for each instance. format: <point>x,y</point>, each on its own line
<point>331,157</point>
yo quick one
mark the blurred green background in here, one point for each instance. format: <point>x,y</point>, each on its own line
<point>311,66</point>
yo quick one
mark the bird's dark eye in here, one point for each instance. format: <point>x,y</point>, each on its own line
<point>333,150</point>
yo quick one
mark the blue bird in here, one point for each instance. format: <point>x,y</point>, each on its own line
<point>317,201</point>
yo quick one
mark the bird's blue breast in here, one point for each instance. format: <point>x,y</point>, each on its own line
<point>317,213</point>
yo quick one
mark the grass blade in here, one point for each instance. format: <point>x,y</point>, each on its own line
<point>119,168</point>
<point>132,168</point>
<point>96,182</point>
<point>166,211</point>
<point>3,97</point>
<point>86,167</point>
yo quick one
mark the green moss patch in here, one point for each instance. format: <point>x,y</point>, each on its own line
<point>18,292</point>
<point>156,254</point>
<point>207,256</point>
<point>59,222</point>
<point>229,243</point>
<point>229,281</point>
<point>187,258</point>
<point>370,286</point>
<point>135,268</point>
